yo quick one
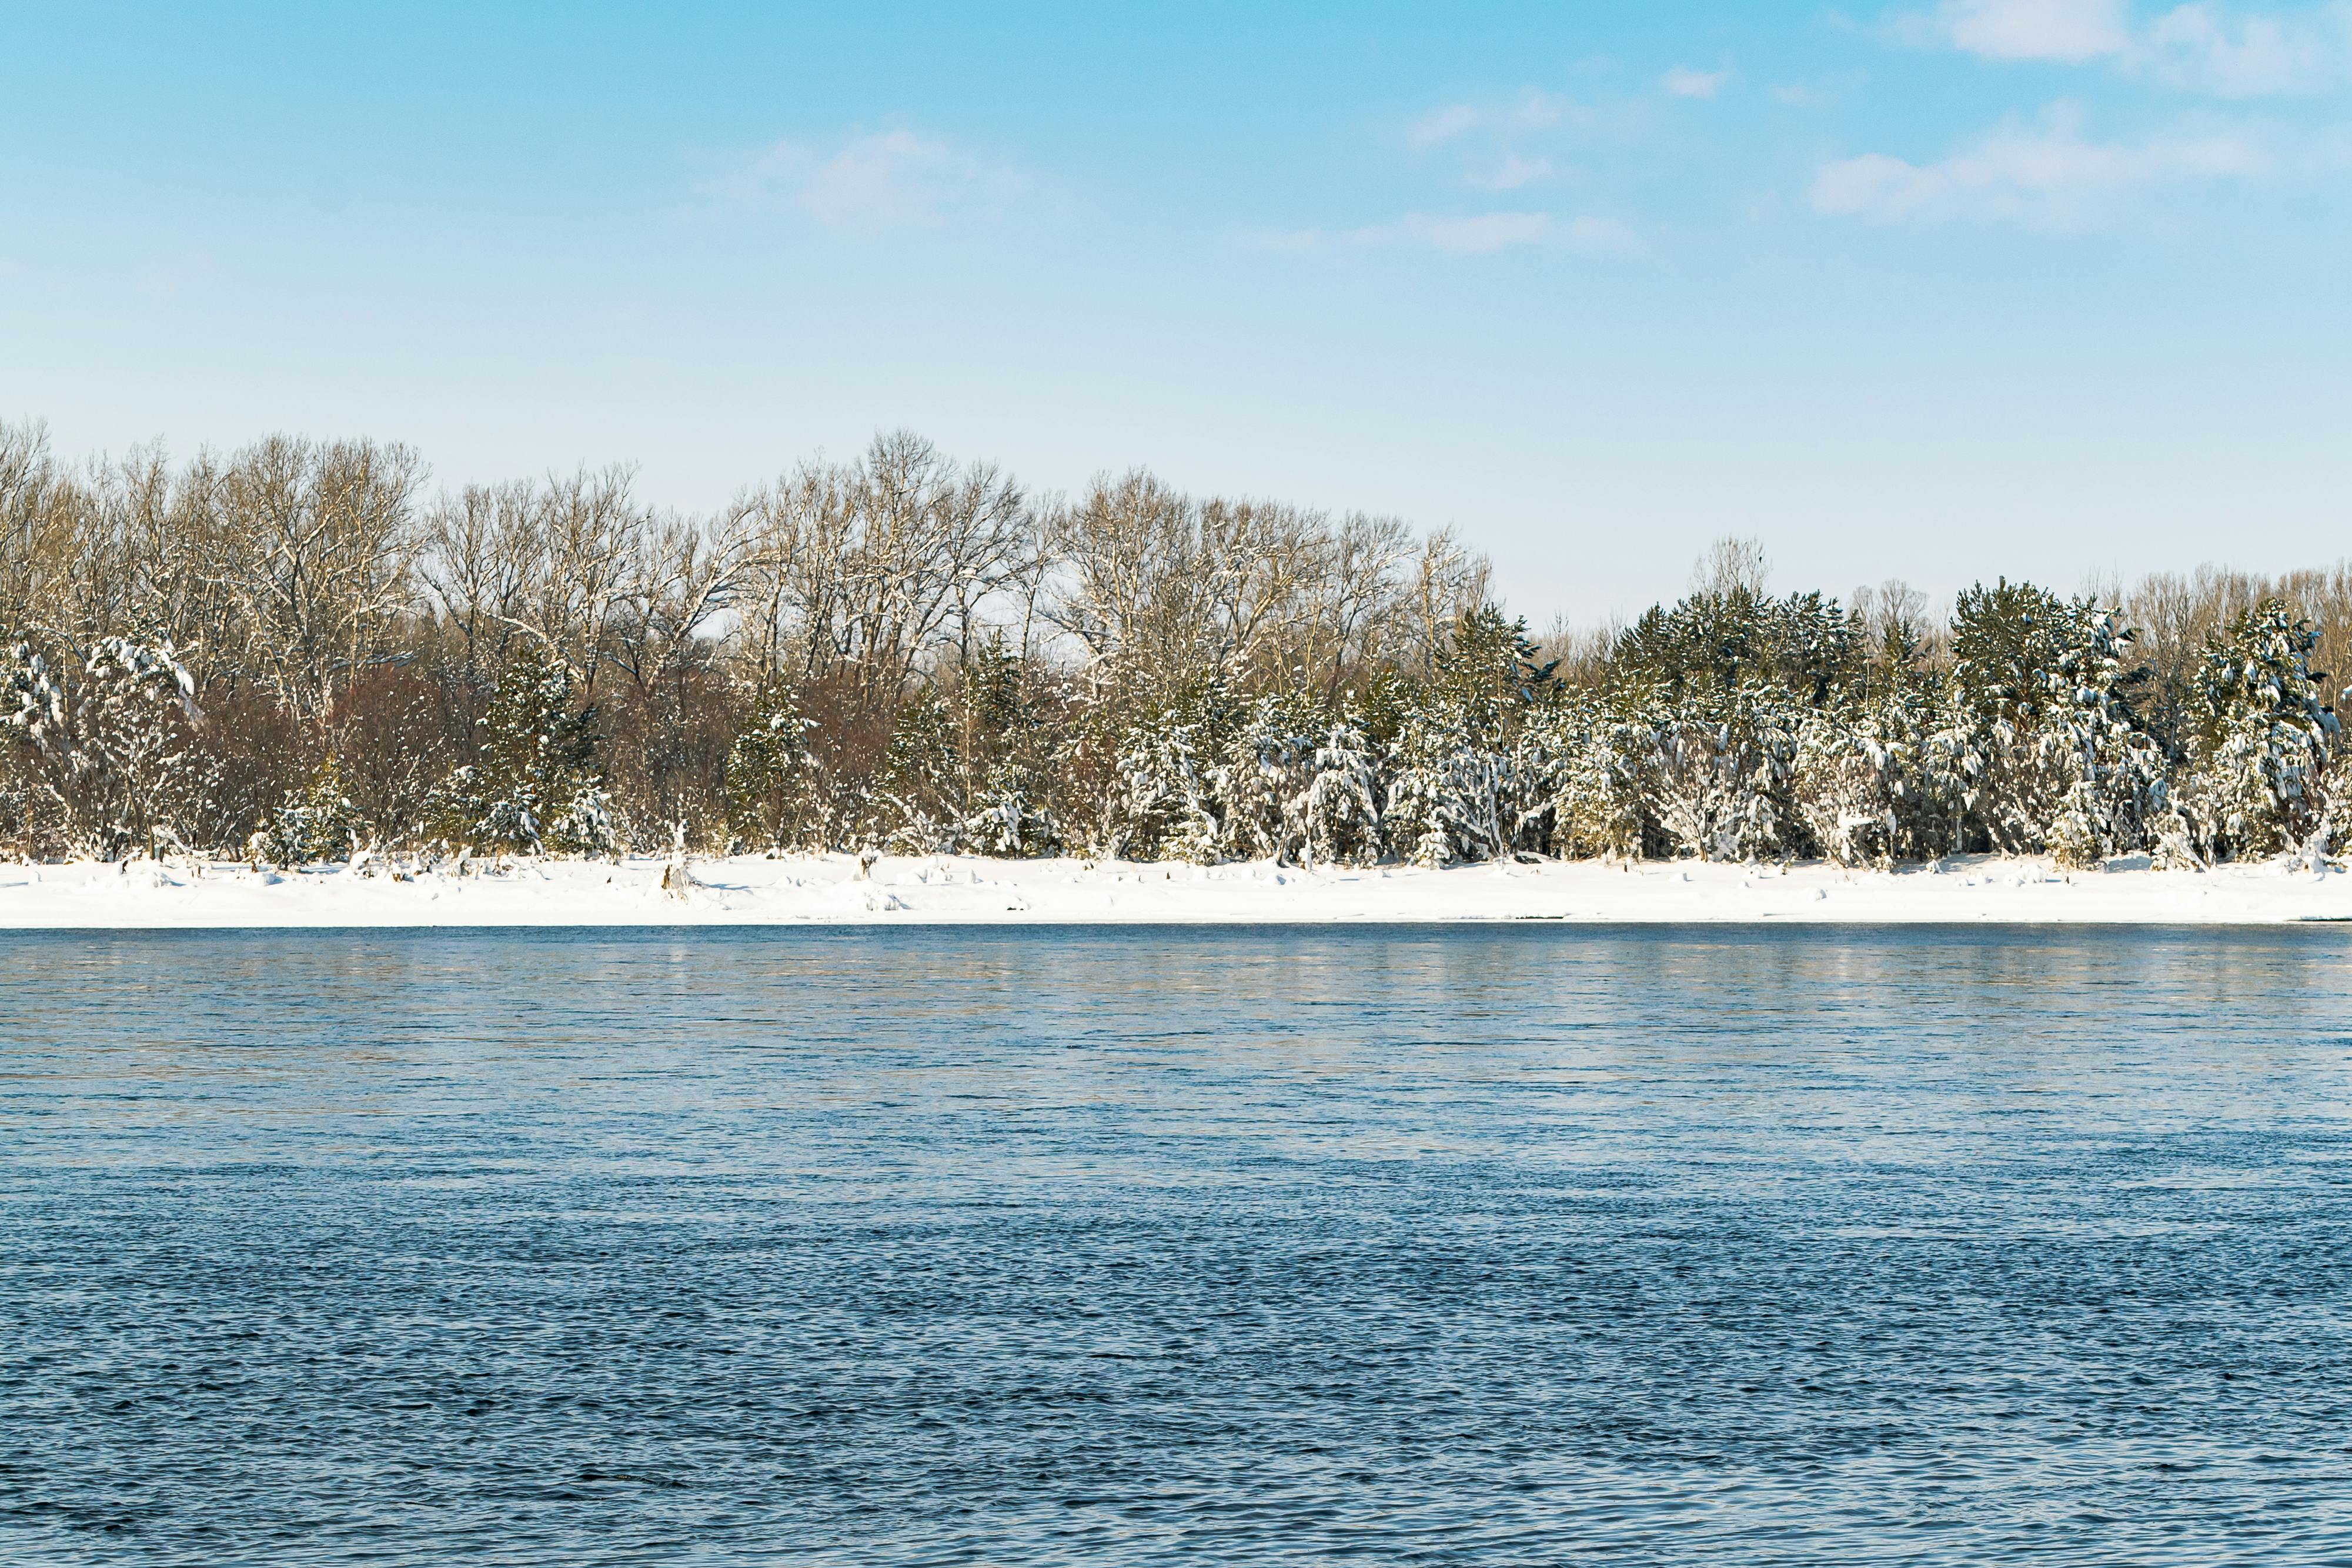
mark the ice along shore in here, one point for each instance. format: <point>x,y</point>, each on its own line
<point>836,890</point>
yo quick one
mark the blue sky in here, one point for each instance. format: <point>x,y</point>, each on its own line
<point>1936,290</point>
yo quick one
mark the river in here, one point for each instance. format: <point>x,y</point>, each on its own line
<point>1477,1244</point>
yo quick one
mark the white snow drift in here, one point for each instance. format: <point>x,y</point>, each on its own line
<point>834,889</point>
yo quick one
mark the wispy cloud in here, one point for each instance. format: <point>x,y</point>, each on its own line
<point>2201,46</point>
<point>2070,31</point>
<point>1499,144</point>
<point>1285,242</point>
<point>1482,235</point>
<point>866,178</point>
<point>2204,48</point>
<point>2045,172</point>
<point>1475,234</point>
<point>1687,81</point>
<point>1531,109</point>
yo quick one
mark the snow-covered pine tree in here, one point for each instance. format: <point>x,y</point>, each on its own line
<point>920,791</point>
<point>1720,785</point>
<point>1450,794</point>
<point>2258,776</point>
<point>1724,683</point>
<point>1262,784</point>
<point>1880,779</point>
<point>31,703</point>
<point>109,745</point>
<point>1578,766</point>
<point>535,791</point>
<point>2057,762</point>
<point>1447,786</point>
<point>772,802</point>
<point>313,825</point>
<point>1167,807</point>
<point>1340,814</point>
<point>1009,820</point>
<point>1167,798</point>
<point>1007,777</point>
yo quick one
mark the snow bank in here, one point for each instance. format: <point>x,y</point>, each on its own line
<point>828,890</point>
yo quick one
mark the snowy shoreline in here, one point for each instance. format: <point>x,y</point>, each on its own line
<point>947,889</point>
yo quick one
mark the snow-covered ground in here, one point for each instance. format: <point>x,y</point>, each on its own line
<point>829,890</point>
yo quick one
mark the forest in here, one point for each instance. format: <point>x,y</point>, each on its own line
<point>300,652</point>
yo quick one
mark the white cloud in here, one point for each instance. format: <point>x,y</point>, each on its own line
<point>1531,108</point>
<point>1684,81</point>
<point>1287,242</point>
<point>1490,141</point>
<point>2071,31</point>
<point>1484,233</point>
<point>1479,236</point>
<point>2199,46</point>
<point>2044,173</point>
<point>1597,234</point>
<point>865,179</point>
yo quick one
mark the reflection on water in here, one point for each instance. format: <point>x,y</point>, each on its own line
<point>1472,1245</point>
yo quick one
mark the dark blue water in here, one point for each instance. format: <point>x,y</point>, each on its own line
<point>1500,1245</point>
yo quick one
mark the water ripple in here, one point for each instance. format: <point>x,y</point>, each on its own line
<point>1126,1247</point>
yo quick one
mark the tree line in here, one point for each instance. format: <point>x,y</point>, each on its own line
<point>298,652</point>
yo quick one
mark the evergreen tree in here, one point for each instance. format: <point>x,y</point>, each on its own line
<point>1451,782</point>
<point>1718,786</point>
<point>1447,787</point>
<point>1714,645</point>
<point>111,745</point>
<point>1340,813</point>
<point>922,789</point>
<point>1880,781</point>
<point>772,802</point>
<point>2057,762</point>
<point>2259,762</point>
<point>1262,784</point>
<point>1167,801</point>
<point>1003,763</point>
<point>1009,820</point>
<point>1578,767</point>
<point>313,825</point>
<point>536,790</point>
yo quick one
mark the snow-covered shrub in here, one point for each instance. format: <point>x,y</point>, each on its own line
<point>582,824</point>
<point>1011,820</point>
<point>315,824</point>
